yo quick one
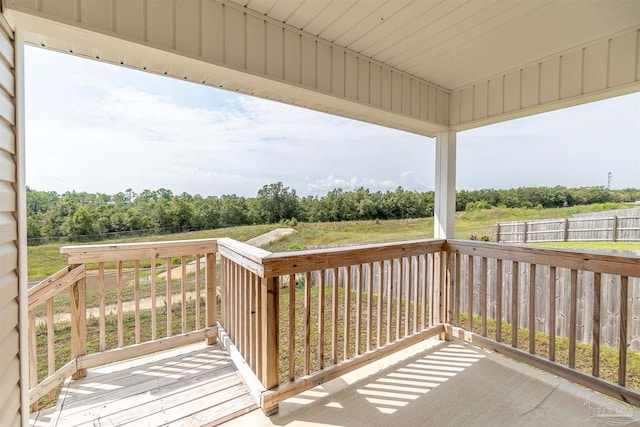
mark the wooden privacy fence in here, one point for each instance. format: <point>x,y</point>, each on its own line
<point>140,312</point>
<point>613,228</point>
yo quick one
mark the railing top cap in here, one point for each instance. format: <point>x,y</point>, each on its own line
<point>143,245</point>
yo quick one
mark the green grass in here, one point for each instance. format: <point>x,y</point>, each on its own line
<point>596,246</point>
<point>45,260</point>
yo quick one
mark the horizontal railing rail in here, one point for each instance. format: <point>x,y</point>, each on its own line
<point>161,295</point>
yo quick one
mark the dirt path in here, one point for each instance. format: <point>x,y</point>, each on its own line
<point>176,273</point>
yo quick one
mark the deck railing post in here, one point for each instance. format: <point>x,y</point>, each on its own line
<point>78,322</point>
<point>269,317</point>
<point>212,295</point>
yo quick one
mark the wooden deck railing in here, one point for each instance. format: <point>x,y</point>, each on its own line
<point>125,300</point>
<point>301,318</point>
<point>323,313</point>
<point>512,299</point>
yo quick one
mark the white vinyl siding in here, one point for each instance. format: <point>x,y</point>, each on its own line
<point>9,308</point>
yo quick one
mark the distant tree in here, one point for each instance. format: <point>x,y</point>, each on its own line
<point>275,202</point>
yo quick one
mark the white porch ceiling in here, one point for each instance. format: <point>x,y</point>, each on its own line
<point>454,43</point>
<point>424,66</point>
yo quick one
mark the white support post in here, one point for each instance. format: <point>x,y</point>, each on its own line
<point>445,195</point>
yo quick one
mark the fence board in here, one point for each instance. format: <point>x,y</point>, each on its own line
<point>576,229</point>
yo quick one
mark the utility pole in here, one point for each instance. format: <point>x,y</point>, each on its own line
<point>609,175</point>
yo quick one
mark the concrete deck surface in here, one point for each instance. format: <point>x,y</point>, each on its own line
<point>452,383</point>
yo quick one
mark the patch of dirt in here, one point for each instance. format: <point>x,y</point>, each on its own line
<point>271,236</point>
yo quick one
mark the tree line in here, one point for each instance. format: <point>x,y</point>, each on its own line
<point>76,214</point>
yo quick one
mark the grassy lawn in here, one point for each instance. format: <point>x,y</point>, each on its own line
<point>45,260</point>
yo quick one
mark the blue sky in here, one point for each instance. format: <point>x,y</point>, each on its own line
<point>102,128</point>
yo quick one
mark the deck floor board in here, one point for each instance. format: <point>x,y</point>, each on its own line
<point>192,385</point>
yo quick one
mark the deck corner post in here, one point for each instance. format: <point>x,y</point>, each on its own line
<point>269,319</point>
<point>79,322</point>
<point>212,295</point>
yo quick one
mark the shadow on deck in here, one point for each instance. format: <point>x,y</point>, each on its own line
<point>438,383</point>
<point>194,385</point>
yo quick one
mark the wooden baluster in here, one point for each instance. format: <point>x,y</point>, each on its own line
<point>483,294</point>
<point>240,342</point>
<point>515,280</point>
<point>423,291</point>
<point>169,299</point>
<point>212,295</point>
<point>552,313</point>
<point>259,337</point>
<point>573,318</point>
<point>119,304</point>
<point>389,279</point>
<point>237,289</point>
<point>320,321</point>
<point>470,280</point>
<point>136,297</point>
<point>369,306</point>
<point>102,346</point>
<point>334,318</point>
<point>358,309</point>
<point>183,292</point>
<point>51,357</point>
<point>380,287</point>
<point>255,342</point>
<point>347,312</point>
<point>224,298</point>
<point>532,308</point>
<point>499,279</point>
<point>78,322</point>
<point>154,320</point>
<point>399,286</point>
<point>406,272</point>
<point>595,359</point>
<point>246,315</point>
<point>307,322</point>
<point>198,291</point>
<point>415,292</point>
<point>622,350</point>
<point>292,327</point>
<point>33,354</point>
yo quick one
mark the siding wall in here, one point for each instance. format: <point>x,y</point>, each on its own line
<point>9,332</point>
<point>583,74</point>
